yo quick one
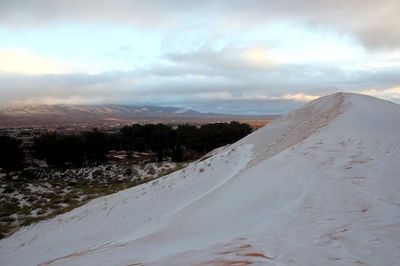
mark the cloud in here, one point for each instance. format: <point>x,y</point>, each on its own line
<point>300,97</point>
<point>272,90</point>
<point>229,59</point>
<point>230,78</point>
<point>59,88</point>
<point>25,62</point>
<point>257,56</point>
<point>374,23</point>
<point>258,97</point>
<point>43,12</point>
<point>392,93</point>
<point>22,61</point>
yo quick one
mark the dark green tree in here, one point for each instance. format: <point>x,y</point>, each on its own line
<point>161,138</point>
<point>11,154</point>
<point>60,150</point>
<point>96,145</point>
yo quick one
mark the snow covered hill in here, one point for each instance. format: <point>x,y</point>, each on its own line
<point>319,186</point>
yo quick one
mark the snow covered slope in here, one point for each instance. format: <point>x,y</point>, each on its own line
<point>319,186</point>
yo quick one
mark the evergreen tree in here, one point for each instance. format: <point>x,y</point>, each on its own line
<point>11,154</point>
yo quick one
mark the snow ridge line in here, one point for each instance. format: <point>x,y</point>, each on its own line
<point>299,125</point>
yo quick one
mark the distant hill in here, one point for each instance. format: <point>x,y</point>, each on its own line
<point>61,115</point>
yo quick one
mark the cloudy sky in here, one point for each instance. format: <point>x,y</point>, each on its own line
<point>254,57</point>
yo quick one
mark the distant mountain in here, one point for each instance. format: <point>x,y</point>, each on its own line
<point>61,115</point>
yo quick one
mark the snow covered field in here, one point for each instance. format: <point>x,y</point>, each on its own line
<point>319,186</point>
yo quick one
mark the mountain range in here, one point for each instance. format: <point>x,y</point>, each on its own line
<point>59,115</point>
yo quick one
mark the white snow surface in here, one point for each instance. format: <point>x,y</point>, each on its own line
<point>319,186</point>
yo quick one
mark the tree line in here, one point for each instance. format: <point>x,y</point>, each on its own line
<point>90,148</point>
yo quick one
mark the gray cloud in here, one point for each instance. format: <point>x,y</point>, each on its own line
<point>201,84</point>
<point>374,23</point>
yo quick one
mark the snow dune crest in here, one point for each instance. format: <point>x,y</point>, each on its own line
<point>291,129</point>
<point>319,186</point>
